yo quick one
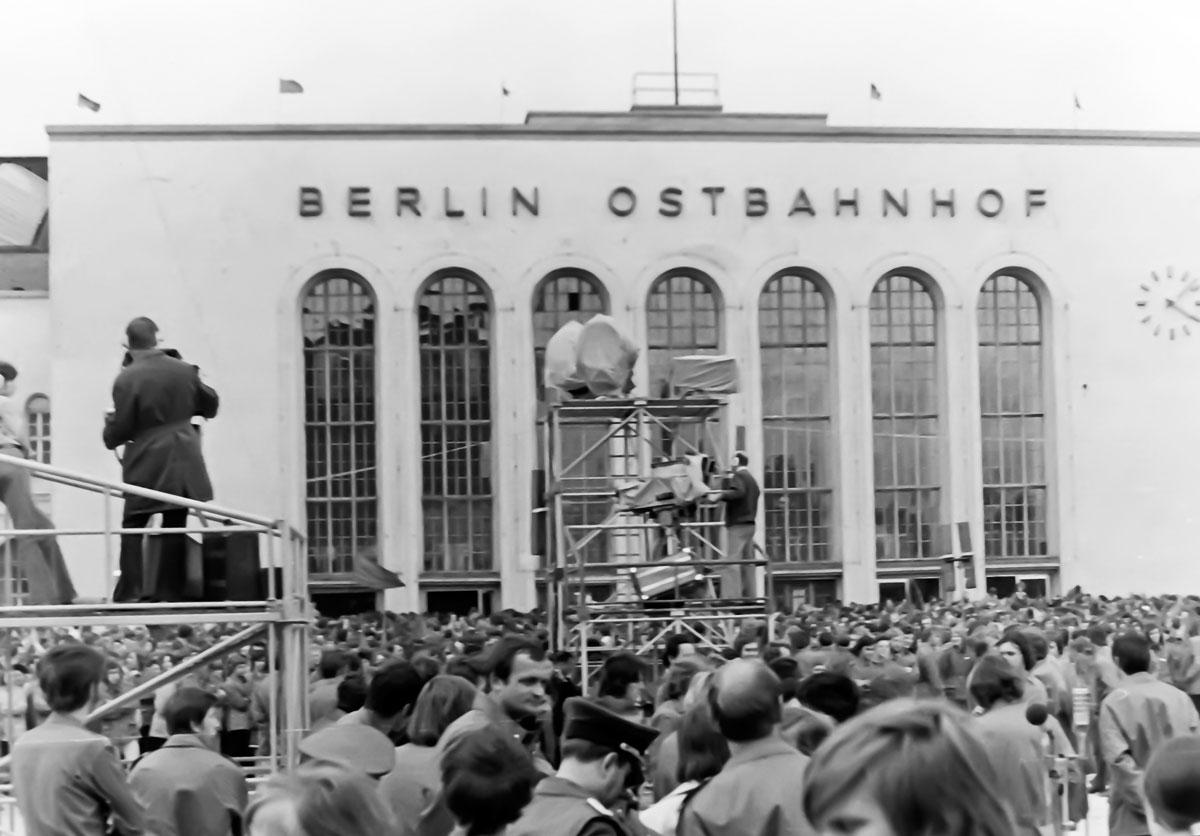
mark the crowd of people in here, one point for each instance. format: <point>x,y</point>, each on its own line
<point>929,718</point>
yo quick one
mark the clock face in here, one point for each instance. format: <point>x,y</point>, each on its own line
<point>1169,304</point>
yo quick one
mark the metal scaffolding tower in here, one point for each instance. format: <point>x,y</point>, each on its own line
<point>626,557</point>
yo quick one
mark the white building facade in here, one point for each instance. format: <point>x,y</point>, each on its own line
<point>948,340</point>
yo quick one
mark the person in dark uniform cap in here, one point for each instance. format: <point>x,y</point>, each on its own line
<point>601,761</point>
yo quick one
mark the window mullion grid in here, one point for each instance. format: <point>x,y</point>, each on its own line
<point>330,544</point>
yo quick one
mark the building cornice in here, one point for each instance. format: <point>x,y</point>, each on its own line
<point>592,127</point>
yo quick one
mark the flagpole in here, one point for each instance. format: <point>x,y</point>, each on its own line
<point>675,46</point>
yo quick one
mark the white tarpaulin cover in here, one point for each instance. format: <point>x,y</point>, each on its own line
<point>560,362</point>
<point>596,356</point>
<point>606,356</point>
<point>713,374</point>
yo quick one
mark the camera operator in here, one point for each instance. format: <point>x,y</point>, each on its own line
<point>154,399</point>
<point>740,495</point>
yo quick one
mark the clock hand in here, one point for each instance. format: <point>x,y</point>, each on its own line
<point>1182,293</point>
<point>1171,304</point>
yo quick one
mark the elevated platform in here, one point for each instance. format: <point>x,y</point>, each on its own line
<point>280,620</point>
<point>636,544</point>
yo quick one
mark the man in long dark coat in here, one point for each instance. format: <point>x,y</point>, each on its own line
<point>154,399</point>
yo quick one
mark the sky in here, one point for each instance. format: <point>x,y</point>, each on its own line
<point>947,63</point>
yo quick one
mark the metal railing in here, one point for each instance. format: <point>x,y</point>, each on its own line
<point>282,612</point>
<point>668,89</point>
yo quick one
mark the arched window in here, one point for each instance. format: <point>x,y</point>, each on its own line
<point>37,414</point>
<point>338,321</point>
<point>455,343</point>
<point>562,296</point>
<point>793,321</point>
<point>904,395</point>
<point>683,316</point>
<point>1012,406</point>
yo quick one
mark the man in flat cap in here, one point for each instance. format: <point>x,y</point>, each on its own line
<point>601,762</point>
<point>155,398</point>
<point>363,748</point>
<point>39,558</point>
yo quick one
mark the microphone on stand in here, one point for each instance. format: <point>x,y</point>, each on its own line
<point>1056,773</point>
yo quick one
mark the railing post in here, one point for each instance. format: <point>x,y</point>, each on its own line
<point>9,598</point>
<point>109,581</point>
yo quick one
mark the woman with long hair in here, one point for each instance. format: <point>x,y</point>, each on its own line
<point>121,724</point>
<point>1016,648</point>
<point>412,785</point>
<point>703,751</point>
<point>906,768</point>
<point>319,801</point>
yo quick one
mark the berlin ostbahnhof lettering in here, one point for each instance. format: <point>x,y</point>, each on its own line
<point>673,202</point>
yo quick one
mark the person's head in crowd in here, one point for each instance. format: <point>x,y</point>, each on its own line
<point>906,768</point>
<point>1015,648</point>
<point>996,682</point>
<point>426,666</point>
<point>703,750</point>
<point>746,701</point>
<point>1169,785</point>
<point>442,701</point>
<point>1131,653</point>
<point>1038,643</point>
<point>1155,634</point>
<point>518,676</point>
<point>69,676</point>
<point>319,800</point>
<point>602,752</point>
<point>391,693</point>
<point>564,664</point>
<point>487,779</point>
<point>332,664</point>
<point>830,693</point>
<point>621,682</point>
<point>237,666</point>
<point>678,646</point>
<point>351,694</point>
<point>465,669</point>
<point>114,675</point>
<point>800,639</point>
<point>1098,635</point>
<point>679,677</point>
<point>193,711</point>
<point>788,671</point>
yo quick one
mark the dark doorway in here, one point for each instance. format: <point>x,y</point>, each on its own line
<point>459,601</point>
<point>901,590</point>
<point>338,604</point>
<point>1006,585</point>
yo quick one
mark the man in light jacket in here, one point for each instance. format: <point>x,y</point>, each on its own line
<point>1138,715</point>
